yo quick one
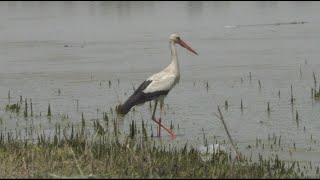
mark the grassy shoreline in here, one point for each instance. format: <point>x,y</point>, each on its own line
<point>107,157</point>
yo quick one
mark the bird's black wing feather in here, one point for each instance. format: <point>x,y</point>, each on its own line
<point>143,86</point>
<point>139,97</point>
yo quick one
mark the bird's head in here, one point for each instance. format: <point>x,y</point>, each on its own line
<point>175,38</point>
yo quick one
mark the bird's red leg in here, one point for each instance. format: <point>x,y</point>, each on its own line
<point>170,132</point>
<point>159,127</point>
<point>159,120</point>
<point>159,123</point>
<point>153,114</point>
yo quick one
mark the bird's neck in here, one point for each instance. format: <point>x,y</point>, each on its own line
<point>174,59</point>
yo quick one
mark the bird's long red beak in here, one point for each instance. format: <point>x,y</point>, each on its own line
<point>185,45</point>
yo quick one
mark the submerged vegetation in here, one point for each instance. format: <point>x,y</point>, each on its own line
<point>314,92</point>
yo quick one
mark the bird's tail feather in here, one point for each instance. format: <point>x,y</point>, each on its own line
<point>124,108</point>
<point>138,98</point>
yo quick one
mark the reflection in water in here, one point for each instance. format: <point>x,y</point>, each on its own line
<point>126,10</point>
<point>195,8</point>
<point>92,8</point>
<point>220,5</point>
<point>266,4</point>
<point>12,6</point>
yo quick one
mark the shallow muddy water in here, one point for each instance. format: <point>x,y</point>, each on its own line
<point>78,47</point>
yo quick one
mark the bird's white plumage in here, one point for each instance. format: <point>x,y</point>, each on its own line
<point>168,77</point>
<point>161,81</point>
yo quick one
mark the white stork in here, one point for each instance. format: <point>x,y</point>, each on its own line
<point>158,85</point>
